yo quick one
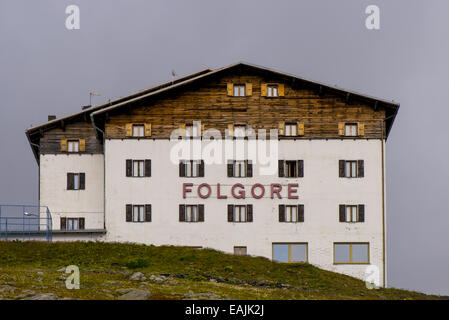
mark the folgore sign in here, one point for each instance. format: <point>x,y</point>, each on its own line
<point>240,191</point>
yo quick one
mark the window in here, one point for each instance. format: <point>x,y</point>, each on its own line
<point>351,168</point>
<point>191,213</point>
<point>291,129</point>
<point>76,181</point>
<point>192,130</point>
<point>290,252</point>
<point>351,129</point>
<point>291,168</point>
<point>352,213</point>
<point>351,253</point>
<point>138,168</point>
<point>239,90</point>
<point>138,130</point>
<point>291,213</point>
<point>240,251</point>
<point>138,213</point>
<point>240,213</point>
<point>240,131</point>
<point>191,168</point>
<point>272,91</point>
<point>240,168</point>
<point>73,145</point>
<point>72,223</point>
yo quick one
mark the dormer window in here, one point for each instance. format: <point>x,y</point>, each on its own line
<point>73,146</point>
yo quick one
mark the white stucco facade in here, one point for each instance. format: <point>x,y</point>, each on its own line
<point>321,191</point>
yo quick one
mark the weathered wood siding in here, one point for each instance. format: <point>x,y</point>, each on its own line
<point>51,140</point>
<point>208,101</point>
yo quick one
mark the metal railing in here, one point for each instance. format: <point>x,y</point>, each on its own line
<point>25,222</point>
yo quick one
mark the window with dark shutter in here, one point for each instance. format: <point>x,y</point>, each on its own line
<point>281,168</point>
<point>82,181</point>
<point>201,169</point>
<point>63,223</point>
<point>182,213</point>
<point>147,168</point>
<point>361,212</point>
<point>230,213</point>
<point>70,181</point>
<point>281,213</point>
<point>148,213</point>
<point>300,168</point>
<point>129,168</point>
<point>249,168</point>
<point>360,169</point>
<point>129,213</point>
<point>81,223</point>
<point>341,168</point>
<point>249,213</point>
<point>201,212</point>
<point>300,212</point>
<point>182,169</point>
<point>342,213</point>
<point>230,168</point>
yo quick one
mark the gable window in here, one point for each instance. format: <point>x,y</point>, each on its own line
<point>291,129</point>
<point>351,168</point>
<point>291,168</point>
<point>191,213</point>
<point>290,252</point>
<point>73,146</point>
<point>291,213</point>
<point>76,181</point>
<point>239,131</point>
<point>352,213</point>
<point>72,224</point>
<point>239,90</point>
<point>192,130</point>
<point>351,129</point>
<point>138,130</point>
<point>240,213</point>
<point>272,90</point>
<point>357,253</point>
<point>240,251</point>
<point>138,213</point>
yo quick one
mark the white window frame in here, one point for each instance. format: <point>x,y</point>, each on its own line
<point>272,90</point>
<point>239,90</point>
<point>138,168</point>
<point>239,169</point>
<point>138,130</point>
<point>138,213</point>
<point>73,146</point>
<point>192,213</point>
<point>240,213</point>
<point>351,213</point>
<point>350,168</point>
<point>192,168</point>
<point>351,129</point>
<point>291,213</point>
<point>290,129</point>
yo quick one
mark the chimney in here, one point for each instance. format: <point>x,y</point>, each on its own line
<point>51,117</point>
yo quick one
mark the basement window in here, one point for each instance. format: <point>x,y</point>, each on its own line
<point>356,253</point>
<point>290,252</point>
<point>240,251</point>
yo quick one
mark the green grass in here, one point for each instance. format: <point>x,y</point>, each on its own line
<point>105,269</point>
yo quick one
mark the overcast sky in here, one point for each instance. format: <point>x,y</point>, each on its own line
<point>124,46</point>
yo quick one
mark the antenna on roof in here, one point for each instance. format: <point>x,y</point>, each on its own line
<point>173,75</point>
<point>93,94</point>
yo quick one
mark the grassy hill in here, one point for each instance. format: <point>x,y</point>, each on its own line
<point>111,270</point>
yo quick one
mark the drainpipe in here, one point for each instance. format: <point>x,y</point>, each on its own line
<point>104,169</point>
